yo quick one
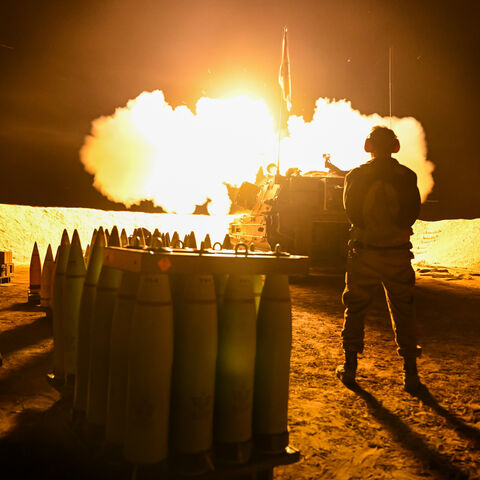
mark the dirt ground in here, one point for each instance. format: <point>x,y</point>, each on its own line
<point>376,431</point>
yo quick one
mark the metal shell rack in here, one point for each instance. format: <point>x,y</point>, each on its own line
<point>240,261</point>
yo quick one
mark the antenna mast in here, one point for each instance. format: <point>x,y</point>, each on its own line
<point>390,82</point>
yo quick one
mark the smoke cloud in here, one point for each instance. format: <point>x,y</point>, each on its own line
<point>178,158</point>
<point>338,129</point>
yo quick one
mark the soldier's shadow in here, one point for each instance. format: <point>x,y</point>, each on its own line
<point>462,428</point>
<point>409,439</point>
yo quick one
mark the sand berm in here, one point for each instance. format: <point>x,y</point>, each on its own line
<point>444,243</point>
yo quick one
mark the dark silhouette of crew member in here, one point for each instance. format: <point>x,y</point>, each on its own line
<point>382,202</point>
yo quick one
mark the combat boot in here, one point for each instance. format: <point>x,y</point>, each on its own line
<point>411,382</point>
<point>346,372</point>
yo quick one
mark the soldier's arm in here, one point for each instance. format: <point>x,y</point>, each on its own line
<point>410,208</point>
<point>334,169</point>
<point>353,197</point>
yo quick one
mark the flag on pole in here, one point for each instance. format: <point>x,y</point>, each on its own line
<point>284,74</point>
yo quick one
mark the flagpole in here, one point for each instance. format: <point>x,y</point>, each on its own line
<point>284,80</point>
<point>390,83</point>
<point>279,134</point>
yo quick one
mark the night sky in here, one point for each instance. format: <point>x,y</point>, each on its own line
<point>65,63</point>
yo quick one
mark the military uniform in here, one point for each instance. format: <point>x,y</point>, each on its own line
<point>382,202</point>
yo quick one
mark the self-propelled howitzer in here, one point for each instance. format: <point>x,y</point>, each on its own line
<point>302,212</point>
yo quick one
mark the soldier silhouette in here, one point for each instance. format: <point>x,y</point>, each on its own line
<point>382,202</point>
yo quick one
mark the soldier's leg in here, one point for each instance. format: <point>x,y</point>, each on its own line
<point>360,280</point>
<point>399,284</point>
<point>399,290</point>
<point>357,296</point>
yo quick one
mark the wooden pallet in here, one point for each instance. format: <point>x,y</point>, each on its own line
<point>6,271</point>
